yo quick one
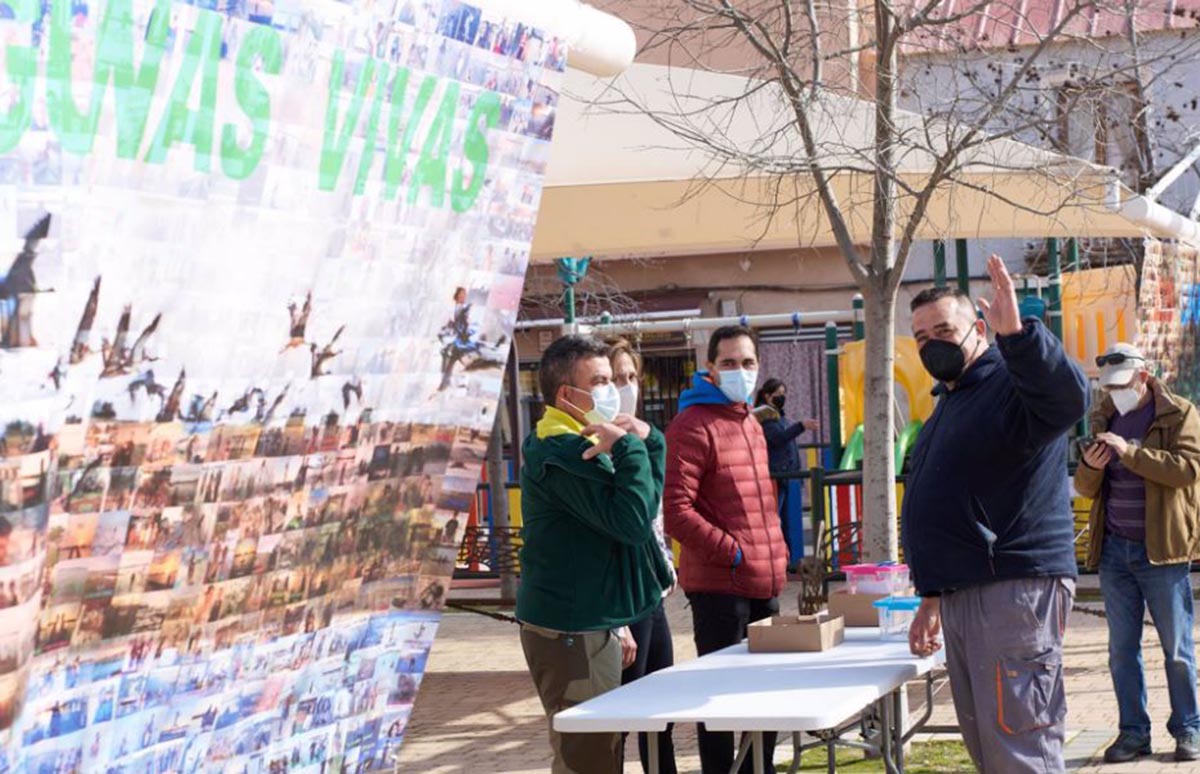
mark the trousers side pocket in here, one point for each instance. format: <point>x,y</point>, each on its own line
<point>1029,693</point>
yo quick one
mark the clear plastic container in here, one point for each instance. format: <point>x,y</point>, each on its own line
<point>896,615</point>
<point>876,578</point>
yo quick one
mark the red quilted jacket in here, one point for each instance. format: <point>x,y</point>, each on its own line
<point>718,498</point>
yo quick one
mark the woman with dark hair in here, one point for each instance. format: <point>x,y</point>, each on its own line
<point>784,457</point>
<point>652,633</point>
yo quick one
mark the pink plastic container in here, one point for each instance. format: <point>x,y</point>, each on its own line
<point>876,578</point>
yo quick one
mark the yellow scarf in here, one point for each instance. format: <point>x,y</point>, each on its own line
<point>555,422</point>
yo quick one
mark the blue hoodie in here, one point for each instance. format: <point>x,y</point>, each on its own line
<point>987,497</point>
<point>702,393</point>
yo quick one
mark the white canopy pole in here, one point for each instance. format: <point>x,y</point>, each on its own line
<point>1160,220</point>
<point>598,43</point>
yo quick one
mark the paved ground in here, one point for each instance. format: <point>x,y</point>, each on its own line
<point>477,710</point>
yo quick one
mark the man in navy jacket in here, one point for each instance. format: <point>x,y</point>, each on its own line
<point>987,525</point>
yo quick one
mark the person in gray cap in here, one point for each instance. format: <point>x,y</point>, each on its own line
<point>1142,472</point>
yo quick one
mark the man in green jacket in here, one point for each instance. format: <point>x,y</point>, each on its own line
<point>590,565</point>
<point>1142,473</point>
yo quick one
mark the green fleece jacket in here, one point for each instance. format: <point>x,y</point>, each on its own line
<point>589,559</point>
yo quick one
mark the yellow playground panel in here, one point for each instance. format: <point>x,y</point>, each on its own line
<point>911,377</point>
<point>1098,311</point>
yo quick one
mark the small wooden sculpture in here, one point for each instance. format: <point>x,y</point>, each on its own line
<point>812,577</point>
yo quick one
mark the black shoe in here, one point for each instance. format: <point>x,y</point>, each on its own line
<point>1127,748</point>
<point>1187,747</point>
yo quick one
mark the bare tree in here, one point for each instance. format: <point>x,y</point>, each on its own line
<point>595,294</point>
<point>822,87</point>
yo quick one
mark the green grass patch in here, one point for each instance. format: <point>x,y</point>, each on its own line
<point>948,757</point>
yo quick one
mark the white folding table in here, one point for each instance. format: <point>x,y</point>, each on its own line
<point>823,694</point>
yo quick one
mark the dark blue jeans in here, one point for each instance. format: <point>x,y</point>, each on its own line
<point>1131,585</point>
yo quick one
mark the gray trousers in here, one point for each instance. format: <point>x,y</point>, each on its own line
<point>1004,657</point>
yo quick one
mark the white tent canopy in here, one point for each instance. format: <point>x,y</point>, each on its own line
<point>599,43</point>
<point>621,184</point>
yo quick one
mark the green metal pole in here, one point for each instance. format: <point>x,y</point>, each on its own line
<point>860,331</point>
<point>939,263</point>
<point>964,266</point>
<point>835,403</point>
<point>570,272</point>
<point>818,508</point>
<point>569,305</point>
<point>1081,428</point>
<point>1054,292</point>
<point>1073,255</point>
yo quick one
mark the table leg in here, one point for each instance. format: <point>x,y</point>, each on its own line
<point>898,719</point>
<point>796,742</point>
<point>887,741</point>
<point>652,743</point>
<point>831,750</point>
<point>745,747</point>
<point>885,731</point>
<point>756,749</point>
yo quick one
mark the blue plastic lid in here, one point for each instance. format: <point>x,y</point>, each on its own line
<point>898,603</point>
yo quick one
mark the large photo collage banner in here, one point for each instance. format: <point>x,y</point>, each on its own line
<point>263,266</point>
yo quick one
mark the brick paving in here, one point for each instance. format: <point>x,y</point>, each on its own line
<point>477,710</point>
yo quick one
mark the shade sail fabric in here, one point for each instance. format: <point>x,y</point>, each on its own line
<point>622,184</point>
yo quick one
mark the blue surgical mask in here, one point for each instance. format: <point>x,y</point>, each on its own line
<point>606,404</point>
<point>738,384</point>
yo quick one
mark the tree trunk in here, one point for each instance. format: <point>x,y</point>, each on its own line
<point>880,534</point>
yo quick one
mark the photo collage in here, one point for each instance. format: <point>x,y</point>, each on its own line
<point>243,419</point>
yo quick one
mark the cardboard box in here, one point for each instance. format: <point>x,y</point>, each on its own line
<point>857,609</point>
<point>787,633</point>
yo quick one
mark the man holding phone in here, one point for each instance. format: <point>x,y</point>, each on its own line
<point>1142,472</point>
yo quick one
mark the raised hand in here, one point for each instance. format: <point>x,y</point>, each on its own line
<point>632,424</point>
<point>607,433</point>
<point>1002,313</point>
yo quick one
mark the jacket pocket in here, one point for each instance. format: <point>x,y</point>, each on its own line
<point>1029,693</point>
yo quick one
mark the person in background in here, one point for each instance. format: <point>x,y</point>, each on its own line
<point>719,504</point>
<point>987,526</point>
<point>1142,474</point>
<point>591,483</point>
<point>784,458</point>
<point>652,633</point>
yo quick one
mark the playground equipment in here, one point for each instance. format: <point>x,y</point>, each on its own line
<point>485,548</point>
<point>1098,311</point>
<point>911,379</point>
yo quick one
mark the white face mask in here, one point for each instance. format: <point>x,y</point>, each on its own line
<point>738,384</point>
<point>606,404</point>
<point>629,395</point>
<point>1125,399</point>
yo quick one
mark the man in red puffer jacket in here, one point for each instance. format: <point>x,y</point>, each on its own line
<point>719,503</point>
